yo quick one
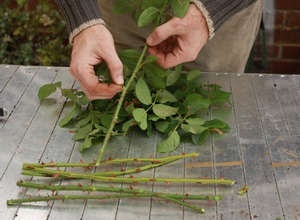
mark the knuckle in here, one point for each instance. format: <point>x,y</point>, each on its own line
<point>179,25</point>
<point>117,67</point>
<point>156,34</point>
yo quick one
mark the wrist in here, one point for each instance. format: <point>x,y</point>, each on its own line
<point>83,27</point>
<point>197,21</point>
<point>205,17</point>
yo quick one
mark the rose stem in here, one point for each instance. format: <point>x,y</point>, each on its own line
<point>113,161</point>
<point>100,197</point>
<point>73,175</point>
<point>120,103</point>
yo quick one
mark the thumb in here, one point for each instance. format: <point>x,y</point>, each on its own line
<point>115,67</point>
<point>164,31</point>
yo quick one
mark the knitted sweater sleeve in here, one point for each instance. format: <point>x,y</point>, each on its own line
<point>81,14</point>
<point>216,12</point>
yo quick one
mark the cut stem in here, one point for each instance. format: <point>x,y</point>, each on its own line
<point>120,103</point>
<point>112,161</point>
<point>99,197</point>
<point>73,175</point>
<point>93,188</point>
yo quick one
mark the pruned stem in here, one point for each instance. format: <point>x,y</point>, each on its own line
<point>113,161</point>
<point>73,175</point>
<point>93,188</point>
<point>120,103</point>
<point>98,197</point>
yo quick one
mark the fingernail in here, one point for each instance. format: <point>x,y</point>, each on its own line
<point>120,79</point>
<point>150,41</point>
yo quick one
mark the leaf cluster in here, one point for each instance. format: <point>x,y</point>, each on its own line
<point>156,12</point>
<point>32,36</point>
<point>172,102</point>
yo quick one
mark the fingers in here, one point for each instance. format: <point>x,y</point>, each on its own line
<point>115,66</point>
<point>168,60</point>
<point>91,47</point>
<point>90,85</point>
<point>173,27</point>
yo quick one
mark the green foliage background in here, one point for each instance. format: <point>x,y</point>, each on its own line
<point>32,37</point>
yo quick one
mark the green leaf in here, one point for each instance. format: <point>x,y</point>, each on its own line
<point>169,144</point>
<point>129,57</point>
<point>129,108</point>
<point>162,126</point>
<point>69,93</point>
<point>163,111</point>
<point>140,116</point>
<point>155,76</point>
<point>193,75</point>
<point>127,125</point>
<point>173,77</point>
<point>180,7</point>
<point>68,118</point>
<point>48,89</point>
<point>106,120</point>
<point>147,16</point>
<point>142,92</point>
<point>88,142</point>
<point>83,132</point>
<point>193,128</point>
<point>149,129</point>
<point>155,3</point>
<point>83,122</point>
<point>195,121</point>
<point>165,96</point>
<point>194,102</point>
<point>150,59</point>
<point>216,123</point>
<point>152,117</point>
<point>200,138</point>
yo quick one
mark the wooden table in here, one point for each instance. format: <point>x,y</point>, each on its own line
<point>262,151</point>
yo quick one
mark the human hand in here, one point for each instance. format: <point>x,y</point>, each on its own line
<point>91,47</point>
<point>180,39</point>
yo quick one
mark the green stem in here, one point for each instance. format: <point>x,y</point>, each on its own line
<point>12,202</point>
<point>112,161</point>
<point>73,175</point>
<point>27,170</point>
<point>120,103</point>
<point>93,188</point>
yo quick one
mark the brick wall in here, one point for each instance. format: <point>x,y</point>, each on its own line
<point>283,41</point>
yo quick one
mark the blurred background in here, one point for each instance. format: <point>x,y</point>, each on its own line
<point>33,33</point>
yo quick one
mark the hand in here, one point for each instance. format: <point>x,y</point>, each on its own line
<point>180,39</point>
<point>91,47</point>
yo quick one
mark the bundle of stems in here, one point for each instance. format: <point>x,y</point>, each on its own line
<point>52,170</point>
<point>118,193</point>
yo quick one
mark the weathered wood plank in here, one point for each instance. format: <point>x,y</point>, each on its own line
<point>288,94</point>
<point>6,72</point>
<point>160,209</point>
<point>14,89</point>
<point>58,149</point>
<point>139,209</point>
<point>272,116</point>
<point>227,153</point>
<point>259,176</point>
<point>191,171</point>
<point>285,153</point>
<point>117,148</point>
<point>29,149</point>
<point>21,119</point>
